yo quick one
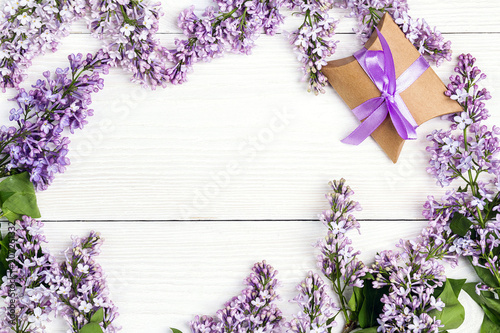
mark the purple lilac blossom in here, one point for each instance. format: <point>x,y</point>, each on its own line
<point>338,260</point>
<point>412,279</point>
<point>429,41</point>
<point>254,310</point>
<point>469,151</point>
<point>232,27</point>
<point>28,284</point>
<point>336,249</point>
<point>128,31</point>
<point>28,29</point>
<point>312,40</point>
<point>37,144</point>
<point>467,145</point>
<point>81,287</point>
<point>316,306</point>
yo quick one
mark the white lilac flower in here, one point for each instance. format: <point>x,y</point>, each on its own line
<point>460,95</point>
<point>85,307</point>
<point>462,120</point>
<point>23,44</point>
<point>24,18</point>
<point>35,23</point>
<point>51,9</point>
<point>127,29</point>
<point>83,268</point>
<point>38,317</point>
<point>450,145</point>
<point>478,202</point>
<point>10,8</point>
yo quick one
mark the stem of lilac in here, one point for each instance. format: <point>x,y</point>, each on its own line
<point>337,287</point>
<point>126,19</point>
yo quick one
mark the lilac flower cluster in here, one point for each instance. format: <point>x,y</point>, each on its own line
<point>429,41</point>
<point>233,27</point>
<point>317,308</point>
<point>312,40</point>
<point>469,151</point>
<point>468,147</point>
<point>28,29</point>
<point>412,276</point>
<point>81,287</point>
<point>253,310</point>
<point>338,260</point>
<point>27,287</point>
<point>37,145</point>
<point>128,31</point>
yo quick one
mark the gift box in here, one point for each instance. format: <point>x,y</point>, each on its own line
<point>391,108</point>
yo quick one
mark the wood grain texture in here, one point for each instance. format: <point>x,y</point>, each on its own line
<point>242,142</point>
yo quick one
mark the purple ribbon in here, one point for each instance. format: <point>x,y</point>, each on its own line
<point>379,65</point>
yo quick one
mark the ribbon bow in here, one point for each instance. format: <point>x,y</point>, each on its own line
<point>379,65</point>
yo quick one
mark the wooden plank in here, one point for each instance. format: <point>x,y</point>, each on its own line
<point>161,274</point>
<point>241,140</point>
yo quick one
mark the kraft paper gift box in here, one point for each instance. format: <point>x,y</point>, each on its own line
<point>424,98</point>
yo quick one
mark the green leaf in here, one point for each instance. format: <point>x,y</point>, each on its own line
<point>485,275</point>
<point>453,314</point>
<point>4,254</point>
<point>371,307</point>
<point>488,326</point>
<point>460,224</point>
<point>368,330</point>
<point>356,302</point>
<point>175,330</point>
<point>457,285</point>
<point>91,328</point>
<point>17,197</point>
<point>487,301</point>
<point>491,314</point>
<point>98,316</point>
<point>11,216</point>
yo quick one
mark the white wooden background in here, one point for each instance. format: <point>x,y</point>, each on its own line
<point>186,205</point>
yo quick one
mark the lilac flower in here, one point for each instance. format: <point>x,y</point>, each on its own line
<point>253,310</point>
<point>233,27</point>
<point>462,120</point>
<point>427,40</point>
<point>128,32</point>
<point>338,260</point>
<point>412,277</point>
<point>27,286</point>
<point>475,146</point>
<point>28,29</point>
<point>476,163</point>
<point>316,307</point>
<point>81,288</point>
<point>312,40</point>
<point>55,104</point>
